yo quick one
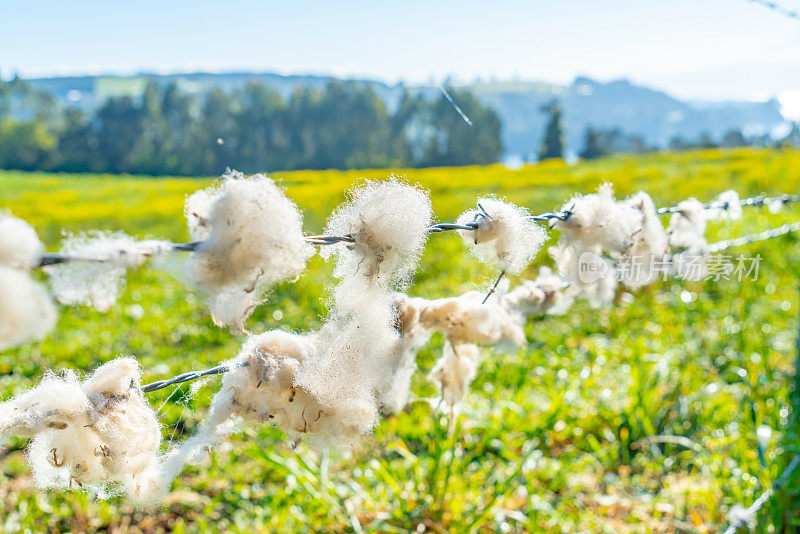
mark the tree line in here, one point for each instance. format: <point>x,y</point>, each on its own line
<point>600,142</point>
<point>167,131</point>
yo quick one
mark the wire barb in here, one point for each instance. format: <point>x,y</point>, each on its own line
<point>494,287</point>
<point>764,497</point>
<point>189,376</point>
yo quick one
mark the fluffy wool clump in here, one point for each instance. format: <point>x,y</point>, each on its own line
<point>388,221</point>
<point>464,321</point>
<point>505,234</point>
<point>597,228</point>
<point>327,387</point>
<point>19,244</point>
<point>687,225</point>
<point>90,282</point>
<point>731,206</point>
<point>599,220</point>
<point>360,350</point>
<point>413,336</point>
<point>590,274</point>
<point>642,261</point>
<point>258,387</point>
<point>543,295</point>
<point>251,237</point>
<point>26,311</point>
<point>454,372</point>
<point>93,433</point>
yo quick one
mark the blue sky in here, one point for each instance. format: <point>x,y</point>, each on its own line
<point>710,49</point>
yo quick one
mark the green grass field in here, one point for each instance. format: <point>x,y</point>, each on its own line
<point>554,437</point>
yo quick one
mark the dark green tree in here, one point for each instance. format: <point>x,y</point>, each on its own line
<point>451,141</point>
<point>77,144</point>
<point>553,143</point>
<point>25,145</point>
<point>592,144</point>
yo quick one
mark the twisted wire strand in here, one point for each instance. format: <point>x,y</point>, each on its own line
<point>324,240</point>
<point>713,247</point>
<point>764,497</point>
<point>752,238</point>
<point>189,376</point>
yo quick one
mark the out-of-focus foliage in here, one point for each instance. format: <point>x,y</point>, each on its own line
<point>559,436</point>
<point>167,131</point>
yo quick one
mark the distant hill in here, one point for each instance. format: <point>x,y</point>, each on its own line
<point>652,114</point>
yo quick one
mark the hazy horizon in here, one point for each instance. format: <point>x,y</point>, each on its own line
<point>713,50</point>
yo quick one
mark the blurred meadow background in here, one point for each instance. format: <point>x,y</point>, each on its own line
<point>642,417</point>
<point>560,436</point>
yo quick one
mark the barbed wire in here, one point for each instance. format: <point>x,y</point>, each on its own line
<point>189,376</point>
<point>764,497</point>
<point>786,12</point>
<point>713,247</point>
<point>752,238</point>
<point>324,240</point>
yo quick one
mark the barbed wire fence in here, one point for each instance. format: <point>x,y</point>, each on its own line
<point>329,240</point>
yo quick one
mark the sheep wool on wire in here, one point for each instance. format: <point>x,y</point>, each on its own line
<point>27,312</point>
<point>597,225</point>
<point>96,275</point>
<point>687,225</point>
<point>99,432</point>
<point>591,276</point>
<point>543,295</point>
<point>413,336</point>
<point>465,321</point>
<point>388,221</point>
<point>19,244</point>
<point>251,237</point>
<point>453,373</point>
<point>258,387</point>
<point>731,206</point>
<point>505,233</point>
<point>359,348</point>
<point>642,261</point>
<point>598,219</point>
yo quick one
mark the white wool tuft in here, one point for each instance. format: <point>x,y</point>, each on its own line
<point>19,244</point>
<point>413,336</point>
<point>389,222</point>
<point>687,226</point>
<point>26,311</point>
<point>505,234</point>
<point>99,283</point>
<point>258,387</point>
<point>454,372</point>
<point>775,205</point>
<point>598,219</point>
<point>98,432</point>
<point>465,319</point>
<point>590,274</point>
<point>731,206</point>
<point>251,238</point>
<point>327,387</point>
<point>539,296</point>
<point>359,348</point>
<point>643,261</point>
